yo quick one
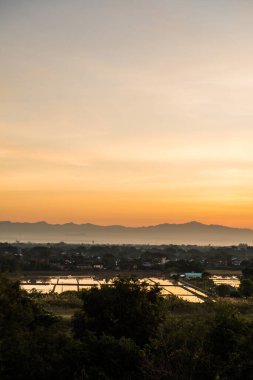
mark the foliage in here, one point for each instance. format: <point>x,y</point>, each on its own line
<point>246,287</point>
<point>31,343</point>
<point>223,290</point>
<point>106,357</point>
<point>125,331</point>
<point>248,273</point>
<point>228,344</point>
<point>128,308</point>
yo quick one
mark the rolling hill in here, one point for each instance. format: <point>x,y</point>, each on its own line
<point>186,233</point>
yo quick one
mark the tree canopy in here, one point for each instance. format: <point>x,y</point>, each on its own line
<point>123,331</point>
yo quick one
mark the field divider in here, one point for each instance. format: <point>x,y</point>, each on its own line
<point>191,288</point>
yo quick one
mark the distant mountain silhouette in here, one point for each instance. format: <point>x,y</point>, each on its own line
<point>186,233</point>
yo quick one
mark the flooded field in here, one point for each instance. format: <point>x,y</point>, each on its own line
<point>62,284</point>
<point>227,280</point>
<point>180,290</point>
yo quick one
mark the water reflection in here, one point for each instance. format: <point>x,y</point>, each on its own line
<point>227,280</point>
<point>187,293</point>
<point>69,283</point>
<point>41,287</point>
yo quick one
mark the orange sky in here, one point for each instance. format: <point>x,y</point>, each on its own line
<point>133,113</point>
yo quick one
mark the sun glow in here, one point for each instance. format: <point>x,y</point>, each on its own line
<point>145,119</point>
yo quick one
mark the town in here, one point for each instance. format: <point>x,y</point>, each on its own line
<point>167,259</point>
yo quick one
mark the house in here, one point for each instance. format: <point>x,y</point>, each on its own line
<point>193,275</point>
<point>98,266</point>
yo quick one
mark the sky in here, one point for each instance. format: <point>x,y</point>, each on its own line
<point>133,112</point>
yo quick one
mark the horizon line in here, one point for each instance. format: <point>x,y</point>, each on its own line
<point>124,226</point>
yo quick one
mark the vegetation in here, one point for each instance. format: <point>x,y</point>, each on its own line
<point>126,331</point>
<point>223,290</point>
<point>27,257</point>
<point>246,287</point>
<point>129,309</point>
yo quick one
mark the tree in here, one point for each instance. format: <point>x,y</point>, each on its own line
<point>223,290</point>
<point>228,345</point>
<point>248,273</point>
<point>108,358</point>
<point>32,345</point>
<point>246,287</point>
<point>176,351</point>
<point>129,308</point>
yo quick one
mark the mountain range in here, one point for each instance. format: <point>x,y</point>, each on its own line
<point>186,233</point>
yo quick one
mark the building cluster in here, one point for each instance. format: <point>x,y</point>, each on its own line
<point>166,258</point>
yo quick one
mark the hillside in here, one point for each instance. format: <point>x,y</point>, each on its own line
<point>187,233</point>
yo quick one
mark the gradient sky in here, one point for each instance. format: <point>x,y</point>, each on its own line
<point>129,112</point>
